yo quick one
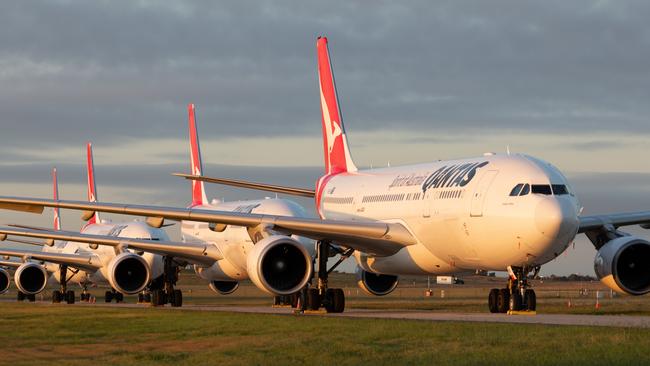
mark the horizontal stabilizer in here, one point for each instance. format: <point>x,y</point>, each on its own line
<point>251,185</point>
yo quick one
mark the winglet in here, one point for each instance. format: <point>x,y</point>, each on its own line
<point>55,193</point>
<point>198,190</point>
<point>337,153</point>
<point>92,188</point>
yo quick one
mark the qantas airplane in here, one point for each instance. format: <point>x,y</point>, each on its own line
<point>85,264</point>
<point>492,212</point>
<point>220,254</point>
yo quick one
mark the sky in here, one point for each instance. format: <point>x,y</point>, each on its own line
<point>568,82</point>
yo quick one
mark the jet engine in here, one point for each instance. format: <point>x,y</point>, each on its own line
<point>623,264</point>
<point>30,278</point>
<point>279,265</point>
<point>376,284</point>
<point>4,281</point>
<point>128,273</point>
<point>224,287</point>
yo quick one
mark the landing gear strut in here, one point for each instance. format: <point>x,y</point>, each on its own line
<point>332,299</point>
<point>164,293</point>
<point>518,296</point>
<point>63,294</point>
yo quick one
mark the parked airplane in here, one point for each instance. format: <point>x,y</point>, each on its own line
<point>494,212</point>
<point>84,264</point>
<point>220,254</point>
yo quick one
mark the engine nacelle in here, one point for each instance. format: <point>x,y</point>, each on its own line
<point>376,284</point>
<point>279,265</point>
<point>5,279</point>
<point>128,273</point>
<point>623,264</point>
<point>30,278</point>
<point>224,287</point>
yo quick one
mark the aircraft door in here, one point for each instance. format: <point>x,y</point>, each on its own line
<point>427,203</point>
<point>478,198</point>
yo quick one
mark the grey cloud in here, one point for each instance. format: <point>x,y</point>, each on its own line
<point>105,70</point>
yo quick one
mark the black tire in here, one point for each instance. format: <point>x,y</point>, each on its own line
<point>503,300</point>
<point>147,297</point>
<point>119,297</point>
<point>531,300</point>
<point>31,298</point>
<point>108,296</point>
<point>339,300</point>
<point>313,299</point>
<point>177,298</point>
<point>492,300</point>
<point>69,297</point>
<point>56,296</point>
<point>294,299</point>
<point>157,298</point>
<point>516,301</point>
<point>20,296</point>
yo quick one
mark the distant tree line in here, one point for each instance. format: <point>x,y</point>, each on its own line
<point>571,277</point>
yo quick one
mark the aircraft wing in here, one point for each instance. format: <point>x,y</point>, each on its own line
<point>595,222</point>
<point>10,264</point>
<point>203,254</point>
<point>251,185</point>
<point>83,261</point>
<point>372,237</point>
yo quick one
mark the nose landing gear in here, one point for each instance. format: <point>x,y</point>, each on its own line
<point>518,296</point>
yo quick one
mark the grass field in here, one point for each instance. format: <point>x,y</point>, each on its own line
<point>67,335</point>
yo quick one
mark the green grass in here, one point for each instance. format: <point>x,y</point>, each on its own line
<point>69,335</point>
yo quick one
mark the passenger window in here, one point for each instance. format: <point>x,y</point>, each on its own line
<point>542,189</point>
<point>559,189</point>
<point>515,191</point>
<point>525,190</point>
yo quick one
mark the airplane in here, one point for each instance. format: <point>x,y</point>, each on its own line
<point>496,212</point>
<point>5,277</point>
<point>219,255</point>
<point>86,263</point>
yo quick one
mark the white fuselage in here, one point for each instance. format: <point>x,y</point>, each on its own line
<point>235,242</point>
<point>134,229</point>
<point>460,211</point>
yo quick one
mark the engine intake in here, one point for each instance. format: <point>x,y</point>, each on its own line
<point>128,273</point>
<point>376,284</point>
<point>623,264</point>
<point>4,281</point>
<point>279,265</point>
<point>224,287</point>
<point>30,278</point>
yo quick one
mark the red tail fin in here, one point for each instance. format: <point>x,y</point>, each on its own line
<point>55,193</point>
<point>198,190</point>
<point>337,153</point>
<point>92,189</point>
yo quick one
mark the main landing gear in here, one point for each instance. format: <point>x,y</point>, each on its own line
<point>163,293</point>
<point>518,296</point>
<point>22,296</point>
<point>111,295</point>
<point>63,294</point>
<point>332,299</point>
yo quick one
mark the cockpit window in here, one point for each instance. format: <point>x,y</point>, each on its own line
<point>525,190</point>
<point>515,191</point>
<point>542,189</point>
<point>559,189</point>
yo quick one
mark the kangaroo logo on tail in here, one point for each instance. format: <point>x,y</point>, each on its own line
<point>198,190</point>
<point>55,194</point>
<point>92,189</point>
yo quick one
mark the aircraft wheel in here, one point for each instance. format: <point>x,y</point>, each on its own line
<point>313,299</point>
<point>335,300</point>
<point>21,296</point>
<point>157,298</point>
<point>31,298</point>
<point>492,300</point>
<point>531,300</point>
<point>56,296</point>
<point>503,300</point>
<point>177,298</point>
<point>515,301</point>
<point>69,297</point>
<point>119,297</point>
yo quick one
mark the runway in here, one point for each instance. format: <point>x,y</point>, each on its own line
<point>546,319</point>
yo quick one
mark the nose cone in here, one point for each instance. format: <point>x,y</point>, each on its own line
<point>556,218</point>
